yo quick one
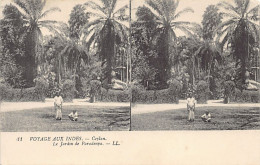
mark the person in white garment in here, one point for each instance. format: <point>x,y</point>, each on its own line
<point>191,102</point>
<point>58,105</point>
<point>73,116</point>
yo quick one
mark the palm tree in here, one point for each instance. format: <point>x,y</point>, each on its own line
<point>32,13</point>
<point>240,30</point>
<point>166,14</point>
<point>72,56</point>
<point>70,52</point>
<point>105,31</point>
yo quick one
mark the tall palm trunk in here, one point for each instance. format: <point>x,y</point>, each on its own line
<point>31,51</point>
<point>109,51</point>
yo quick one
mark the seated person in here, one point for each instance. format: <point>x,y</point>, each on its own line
<point>73,116</point>
<point>206,117</point>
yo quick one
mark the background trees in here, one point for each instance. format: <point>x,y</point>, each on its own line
<point>22,24</point>
<point>13,35</point>
<point>144,57</point>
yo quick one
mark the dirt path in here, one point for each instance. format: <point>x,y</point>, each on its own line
<point>149,108</point>
<point>16,106</point>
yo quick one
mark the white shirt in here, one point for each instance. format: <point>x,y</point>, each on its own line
<point>191,101</point>
<point>74,115</point>
<point>206,116</point>
<point>58,100</point>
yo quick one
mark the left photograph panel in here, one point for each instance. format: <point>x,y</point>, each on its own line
<point>64,65</point>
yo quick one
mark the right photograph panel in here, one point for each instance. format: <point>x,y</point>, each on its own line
<point>195,65</point>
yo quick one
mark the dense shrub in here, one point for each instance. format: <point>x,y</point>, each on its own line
<point>8,93</point>
<point>202,92</point>
<point>175,88</point>
<point>95,89</point>
<point>68,90</point>
<point>245,96</point>
<point>114,95</point>
<point>233,94</point>
<point>41,88</point>
<point>229,90</point>
<point>170,95</point>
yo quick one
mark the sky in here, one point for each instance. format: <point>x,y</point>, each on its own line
<point>199,6</point>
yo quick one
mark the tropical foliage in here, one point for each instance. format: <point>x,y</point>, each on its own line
<point>166,15</point>
<point>169,56</point>
<point>106,31</point>
<point>241,32</point>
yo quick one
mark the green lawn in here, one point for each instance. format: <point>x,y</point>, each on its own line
<point>223,118</point>
<point>90,119</point>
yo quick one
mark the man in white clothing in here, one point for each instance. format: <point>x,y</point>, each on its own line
<point>58,105</point>
<point>191,107</point>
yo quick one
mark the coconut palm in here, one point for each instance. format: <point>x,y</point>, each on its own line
<point>166,14</point>
<point>32,13</point>
<point>240,30</point>
<point>105,31</point>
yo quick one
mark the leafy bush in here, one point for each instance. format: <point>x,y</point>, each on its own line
<point>41,88</point>
<point>95,89</point>
<point>202,92</point>
<point>68,89</point>
<point>229,90</point>
<point>170,95</point>
<point>245,96</point>
<point>114,95</point>
<point>26,94</point>
<point>175,88</point>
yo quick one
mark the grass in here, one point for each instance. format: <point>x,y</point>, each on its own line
<point>90,119</point>
<point>223,118</point>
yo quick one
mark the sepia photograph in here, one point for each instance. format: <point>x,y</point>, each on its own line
<point>130,82</point>
<point>64,66</point>
<point>195,65</point>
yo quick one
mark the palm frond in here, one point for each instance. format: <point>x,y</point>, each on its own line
<point>47,22</point>
<point>23,8</point>
<point>121,31</point>
<point>93,23</point>
<point>172,33</point>
<point>253,14</point>
<point>229,15</point>
<point>157,6</point>
<point>227,23</point>
<point>95,6</point>
<point>112,7</point>
<point>245,7</point>
<point>228,7</point>
<point>120,11</point>
<point>186,10</point>
<point>54,9</point>
<point>30,5</point>
<point>106,3</point>
<point>97,15</point>
<point>254,28</point>
<point>254,9</point>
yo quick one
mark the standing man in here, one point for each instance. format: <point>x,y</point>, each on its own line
<point>191,107</point>
<point>58,105</point>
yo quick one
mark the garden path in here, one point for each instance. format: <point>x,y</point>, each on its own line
<point>149,108</point>
<point>16,106</point>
